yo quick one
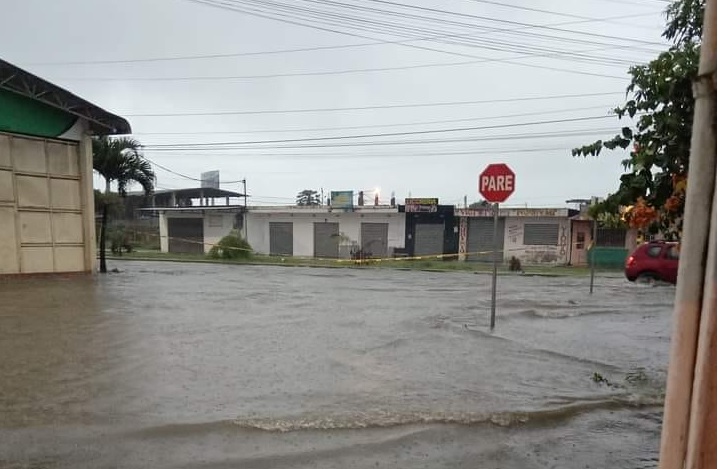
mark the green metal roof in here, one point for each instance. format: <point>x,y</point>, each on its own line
<point>26,84</point>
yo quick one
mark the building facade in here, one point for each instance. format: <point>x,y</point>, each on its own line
<point>431,229</point>
<point>196,230</point>
<point>325,232</point>
<point>46,196</point>
<point>532,235</point>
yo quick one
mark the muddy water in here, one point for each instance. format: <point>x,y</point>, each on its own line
<point>180,365</point>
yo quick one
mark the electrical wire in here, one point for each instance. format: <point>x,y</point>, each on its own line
<point>210,146</point>
<point>388,134</point>
<point>351,127</point>
<point>224,5</point>
<point>332,47</point>
<point>365,108</point>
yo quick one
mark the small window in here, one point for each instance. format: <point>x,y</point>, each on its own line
<point>215,221</point>
<point>672,252</point>
<point>580,239</point>
<point>541,234</point>
<point>654,251</point>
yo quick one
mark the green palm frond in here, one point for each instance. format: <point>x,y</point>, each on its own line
<point>120,160</point>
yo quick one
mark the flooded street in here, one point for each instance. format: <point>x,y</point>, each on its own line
<point>216,366</point>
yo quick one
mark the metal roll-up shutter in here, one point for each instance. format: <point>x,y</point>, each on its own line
<point>541,234</point>
<point>429,239</point>
<point>186,235</point>
<point>375,239</point>
<point>481,238</point>
<point>326,240</point>
<point>281,239</point>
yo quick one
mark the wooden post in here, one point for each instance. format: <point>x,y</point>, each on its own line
<point>689,422</point>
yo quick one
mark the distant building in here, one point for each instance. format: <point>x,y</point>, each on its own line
<point>325,231</point>
<point>193,220</point>
<point>431,229</point>
<point>532,235</point>
<point>46,196</point>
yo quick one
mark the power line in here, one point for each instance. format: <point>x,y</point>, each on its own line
<point>344,156</point>
<point>555,13</point>
<point>221,146</point>
<point>224,5</point>
<point>308,74</point>
<point>583,19</point>
<point>364,108</point>
<point>403,124</point>
<point>184,175</point>
<point>380,135</point>
<point>496,20</point>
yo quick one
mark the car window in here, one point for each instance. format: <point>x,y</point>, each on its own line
<point>653,251</point>
<point>672,252</point>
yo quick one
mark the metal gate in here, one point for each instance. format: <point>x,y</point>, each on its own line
<point>186,235</point>
<point>429,239</point>
<point>281,238</point>
<point>375,239</point>
<point>481,238</point>
<point>326,240</point>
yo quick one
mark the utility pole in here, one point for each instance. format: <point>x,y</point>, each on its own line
<point>244,215</point>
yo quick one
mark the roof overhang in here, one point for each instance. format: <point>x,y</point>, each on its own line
<point>26,84</point>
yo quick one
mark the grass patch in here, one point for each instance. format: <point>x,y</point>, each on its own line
<point>401,264</point>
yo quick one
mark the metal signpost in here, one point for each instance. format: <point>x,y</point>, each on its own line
<point>593,254</point>
<point>496,184</point>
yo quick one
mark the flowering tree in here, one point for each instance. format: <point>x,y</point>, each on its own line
<point>660,105</point>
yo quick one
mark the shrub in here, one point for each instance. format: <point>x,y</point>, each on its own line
<point>232,246</point>
<point>515,264</point>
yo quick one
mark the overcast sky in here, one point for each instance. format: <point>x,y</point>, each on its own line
<point>200,80</point>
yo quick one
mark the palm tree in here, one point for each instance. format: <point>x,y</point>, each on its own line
<point>119,160</point>
<point>308,197</point>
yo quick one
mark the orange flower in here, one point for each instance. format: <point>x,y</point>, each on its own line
<point>672,204</point>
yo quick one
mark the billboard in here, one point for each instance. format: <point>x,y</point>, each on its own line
<point>210,180</point>
<point>416,205</point>
<point>342,199</point>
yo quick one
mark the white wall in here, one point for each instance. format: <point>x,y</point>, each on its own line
<point>514,238</point>
<point>212,234</point>
<point>303,223</point>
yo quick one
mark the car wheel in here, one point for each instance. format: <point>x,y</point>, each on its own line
<point>647,277</point>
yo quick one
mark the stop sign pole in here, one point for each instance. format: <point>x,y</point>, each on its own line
<point>496,184</point>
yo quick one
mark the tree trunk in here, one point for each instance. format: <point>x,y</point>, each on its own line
<point>103,229</point>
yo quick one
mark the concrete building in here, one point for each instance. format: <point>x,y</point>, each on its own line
<point>431,229</point>
<point>46,198</point>
<point>325,232</point>
<point>533,235</point>
<point>193,220</point>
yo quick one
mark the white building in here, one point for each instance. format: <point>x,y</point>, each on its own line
<point>196,230</point>
<point>195,219</point>
<point>532,235</point>
<point>323,232</point>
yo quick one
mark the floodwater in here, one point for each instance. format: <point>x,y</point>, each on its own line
<point>216,366</point>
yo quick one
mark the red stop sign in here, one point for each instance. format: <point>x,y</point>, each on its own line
<point>497,182</point>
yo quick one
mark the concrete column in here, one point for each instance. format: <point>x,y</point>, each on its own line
<point>463,237</point>
<point>87,201</point>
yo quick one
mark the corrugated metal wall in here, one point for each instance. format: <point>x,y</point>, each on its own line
<point>481,238</point>
<point>186,235</point>
<point>326,240</point>
<point>429,239</point>
<point>375,239</point>
<point>281,238</point>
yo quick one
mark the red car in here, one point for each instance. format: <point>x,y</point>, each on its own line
<point>656,260</point>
